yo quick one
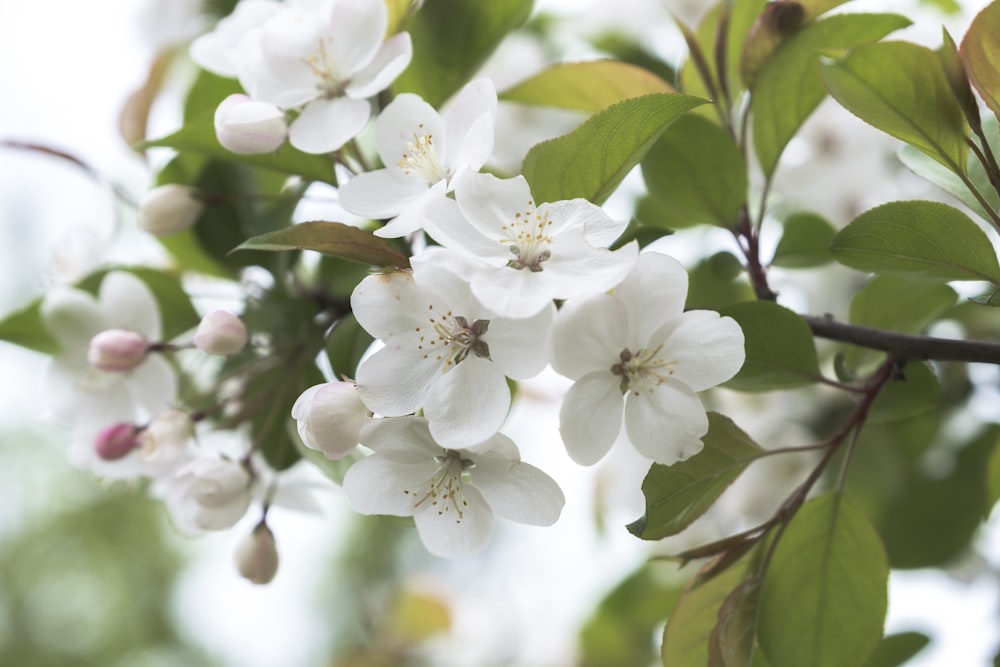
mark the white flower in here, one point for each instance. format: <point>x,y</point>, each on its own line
<point>207,494</point>
<point>74,390</point>
<point>526,255</point>
<point>329,417</point>
<point>220,332</point>
<point>421,149</point>
<point>164,443</point>
<point>169,209</point>
<point>443,351</point>
<point>636,351</point>
<point>218,51</point>
<point>248,127</point>
<point>325,60</point>
<point>450,493</point>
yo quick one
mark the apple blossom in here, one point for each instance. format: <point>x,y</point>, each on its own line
<point>443,351</point>
<point>635,351</point>
<point>248,127</point>
<point>329,417</point>
<point>220,332</point>
<point>256,555</point>
<point>324,59</point>
<point>207,494</point>
<point>165,442</point>
<point>421,149</point>
<point>451,493</point>
<point>526,256</point>
<point>169,209</point>
<point>218,50</point>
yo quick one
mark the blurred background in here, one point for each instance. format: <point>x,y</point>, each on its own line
<point>93,573</point>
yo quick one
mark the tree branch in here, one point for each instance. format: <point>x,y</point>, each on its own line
<point>905,347</point>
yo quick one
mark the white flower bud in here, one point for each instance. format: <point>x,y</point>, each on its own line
<point>207,494</point>
<point>248,127</point>
<point>257,555</point>
<point>117,350</point>
<point>329,417</point>
<point>220,333</point>
<point>164,443</point>
<point>116,441</point>
<point>169,209</point>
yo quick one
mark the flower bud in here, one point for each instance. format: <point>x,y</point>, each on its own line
<point>220,333</point>
<point>116,441</point>
<point>169,209</point>
<point>164,443</point>
<point>247,127</point>
<point>257,555</point>
<point>329,417</point>
<point>117,350</point>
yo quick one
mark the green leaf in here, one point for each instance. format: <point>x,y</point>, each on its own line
<point>896,650</point>
<point>330,238</point>
<point>915,393</point>
<point>717,282</point>
<point>586,86</point>
<point>980,53</point>
<point>592,160</point>
<point>198,136</point>
<point>917,238</point>
<point>824,599</point>
<point>698,172</point>
<point>901,89</point>
<point>676,495</point>
<point>779,347</point>
<point>345,346</point>
<point>779,21</point>
<point>732,641</point>
<point>993,476</point>
<point>805,242</point>
<point>897,304</point>
<point>686,636</point>
<point>24,328</point>
<point>789,88</point>
<point>452,39</point>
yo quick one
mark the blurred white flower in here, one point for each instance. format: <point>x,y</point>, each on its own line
<point>256,555</point>
<point>218,50</point>
<point>329,417</point>
<point>169,209</point>
<point>220,332</point>
<point>450,493</point>
<point>635,351</point>
<point>248,127</point>
<point>207,493</point>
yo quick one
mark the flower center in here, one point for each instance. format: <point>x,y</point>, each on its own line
<point>451,339</point>
<point>443,491</point>
<point>420,157</point>
<point>526,235</point>
<point>328,80</point>
<point>644,370</point>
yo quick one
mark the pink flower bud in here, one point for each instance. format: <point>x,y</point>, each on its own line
<point>220,333</point>
<point>169,209</point>
<point>117,350</point>
<point>115,442</point>
<point>257,555</point>
<point>247,127</point>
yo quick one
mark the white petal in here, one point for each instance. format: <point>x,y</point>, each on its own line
<point>392,58</point>
<point>444,535</point>
<point>518,491</point>
<point>382,193</point>
<point>599,229</point>
<point>591,417</point>
<point>400,439</point>
<point>666,423</point>
<point>443,220</point>
<point>357,29</point>
<point>589,336</point>
<point>708,349</point>
<point>387,303</point>
<point>467,404</point>
<point>326,125</point>
<point>468,119</point>
<point>446,290</point>
<point>490,203</point>
<point>216,51</point>
<point>153,385</point>
<point>72,317</point>
<point>329,417</point>
<point>411,217</point>
<point>653,293</point>
<point>127,303</point>
<point>580,269</point>
<point>402,123</point>
<point>520,347</point>
<point>514,293</point>
<point>394,382</point>
<point>375,485</point>
<point>272,63</point>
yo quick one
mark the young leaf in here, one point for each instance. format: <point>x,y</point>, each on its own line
<point>896,650</point>
<point>586,86</point>
<point>932,170</point>
<point>779,347</point>
<point>698,172</point>
<point>677,495</point>
<point>778,21</point>
<point>717,282</point>
<point>805,242</point>
<point>732,640</point>
<point>330,238</point>
<point>451,39</point>
<point>824,599</point>
<point>789,88</point>
<point>592,160</point>
<point>980,53</point>
<point>917,238</point>
<point>199,137</point>
<point>901,89</point>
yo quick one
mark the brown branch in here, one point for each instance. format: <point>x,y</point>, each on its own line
<point>905,347</point>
